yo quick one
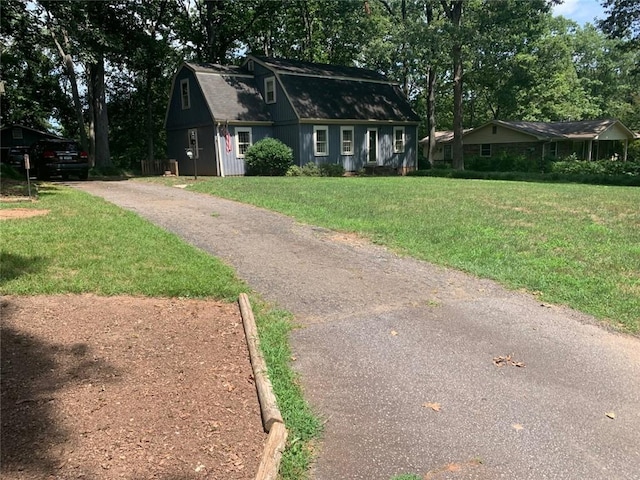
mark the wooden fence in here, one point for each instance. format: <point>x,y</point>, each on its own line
<point>159,167</point>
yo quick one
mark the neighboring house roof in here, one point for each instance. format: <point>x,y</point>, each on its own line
<point>582,130</point>
<point>333,92</point>
<point>230,93</point>
<point>548,131</point>
<point>23,127</point>
<point>444,136</point>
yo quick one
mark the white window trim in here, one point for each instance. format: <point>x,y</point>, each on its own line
<point>490,150</point>
<point>185,105</point>
<point>553,149</point>
<point>316,129</point>
<point>342,149</point>
<point>241,130</point>
<point>267,81</point>
<point>404,140</point>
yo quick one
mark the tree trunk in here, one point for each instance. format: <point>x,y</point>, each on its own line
<point>101,120</point>
<point>69,66</point>
<point>456,56</point>
<point>431,112</point>
<point>431,94</point>
<point>149,122</point>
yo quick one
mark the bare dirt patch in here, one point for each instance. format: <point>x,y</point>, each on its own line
<point>7,213</point>
<point>125,387</point>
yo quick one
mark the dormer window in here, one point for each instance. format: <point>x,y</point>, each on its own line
<point>270,90</point>
<point>184,93</point>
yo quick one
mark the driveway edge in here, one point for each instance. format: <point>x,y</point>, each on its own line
<point>271,416</point>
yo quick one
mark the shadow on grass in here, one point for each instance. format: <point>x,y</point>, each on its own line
<point>32,371</point>
<point>14,266</point>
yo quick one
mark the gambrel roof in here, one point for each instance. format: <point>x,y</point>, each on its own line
<point>230,93</point>
<point>334,92</point>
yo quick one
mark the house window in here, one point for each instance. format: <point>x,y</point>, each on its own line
<point>270,90</point>
<point>398,139</point>
<point>485,150</point>
<point>250,66</point>
<point>494,129</point>
<point>243,141</point>
<point>346,140</point>
<point>184,92</point>
<point>448,151</point>
<point>321,141</point>
<point>553,149</point>
<point>16,133</point>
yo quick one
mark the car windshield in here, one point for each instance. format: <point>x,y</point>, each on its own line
<point>63,146</point>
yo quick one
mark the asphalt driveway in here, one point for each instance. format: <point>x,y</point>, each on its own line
<point>416,368</point>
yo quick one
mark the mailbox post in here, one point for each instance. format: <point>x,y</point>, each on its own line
<point>27,168</point>
<point>194,153</point>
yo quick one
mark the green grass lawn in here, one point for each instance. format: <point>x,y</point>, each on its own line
<point>577,245</point>
<point>86,245</point>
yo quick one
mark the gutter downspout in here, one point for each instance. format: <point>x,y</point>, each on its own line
<point>219,161</point>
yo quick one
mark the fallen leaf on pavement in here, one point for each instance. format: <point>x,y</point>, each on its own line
<point>433,406</point>
<point>394,333</point>
<point>503,360</point>
<point>611,415</point>
<point>517,426</point>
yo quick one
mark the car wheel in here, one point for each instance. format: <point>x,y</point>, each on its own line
<point>83,175</point>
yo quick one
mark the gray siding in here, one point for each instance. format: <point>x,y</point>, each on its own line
<point>231,163</point>
<point>289,135</point>
<point>198,114</point>
<point>281,111</point>
<point>178,142</point>
<point>358,160</point>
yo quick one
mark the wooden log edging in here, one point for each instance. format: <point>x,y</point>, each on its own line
<point>271,416</point>
<point>270,463</point>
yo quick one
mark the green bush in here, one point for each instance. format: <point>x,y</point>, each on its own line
<point>7,171</point>
<point>268,157</point>
<point>506,162</point>
<point>596,167</point>
<point>331,170</point>
<point>310,170</point>
<point>592,179</point>
<point>294,171</point>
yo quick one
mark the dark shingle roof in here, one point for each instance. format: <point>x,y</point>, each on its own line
<point>230,93</point>
<point>297,67</point>
<point>562,130</point>
<point>341,99</point>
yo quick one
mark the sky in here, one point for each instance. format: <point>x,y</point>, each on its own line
<point>580,11</point>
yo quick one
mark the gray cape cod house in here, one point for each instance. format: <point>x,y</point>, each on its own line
<point>325,113</point>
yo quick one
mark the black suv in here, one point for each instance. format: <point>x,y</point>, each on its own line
<point>15,157</point>
<point>59,157</point>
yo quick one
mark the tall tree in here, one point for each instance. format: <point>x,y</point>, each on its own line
<point>623,20</point>
<point>34,84</point>
<point>453,12</point>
